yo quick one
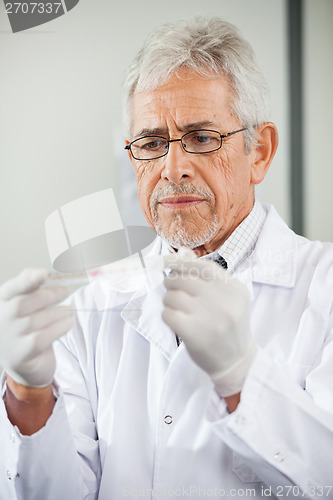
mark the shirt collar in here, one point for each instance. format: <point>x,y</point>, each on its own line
<point>242,241</point>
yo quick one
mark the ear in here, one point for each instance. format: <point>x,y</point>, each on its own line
<point>267,139</point>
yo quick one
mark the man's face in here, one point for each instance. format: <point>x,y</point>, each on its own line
<point>195,200</point>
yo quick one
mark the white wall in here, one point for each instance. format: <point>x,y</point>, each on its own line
<point>60,112</point>
<point>318,125</point>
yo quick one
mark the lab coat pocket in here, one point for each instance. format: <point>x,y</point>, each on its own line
<point>243,471</point>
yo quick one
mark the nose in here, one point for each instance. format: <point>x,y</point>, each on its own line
<point>177,164</point>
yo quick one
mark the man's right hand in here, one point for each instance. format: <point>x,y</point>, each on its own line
<point>30,320</point>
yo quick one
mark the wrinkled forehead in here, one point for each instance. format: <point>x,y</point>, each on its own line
<point>185,98</point>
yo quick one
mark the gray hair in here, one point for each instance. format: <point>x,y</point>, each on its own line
<point>212,48</point>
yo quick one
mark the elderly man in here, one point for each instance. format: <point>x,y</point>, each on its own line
<point>230,395</point>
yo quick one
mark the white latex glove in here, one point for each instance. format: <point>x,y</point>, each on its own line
<point>209,310</point>
<point>29,322</point>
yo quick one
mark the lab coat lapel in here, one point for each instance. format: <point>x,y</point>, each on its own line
<point>144,313</point>
<point>273,261</point>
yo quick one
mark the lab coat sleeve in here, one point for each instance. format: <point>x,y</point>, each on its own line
<point>45,465</point>
<point>62,460</point>
<point>279,430</point>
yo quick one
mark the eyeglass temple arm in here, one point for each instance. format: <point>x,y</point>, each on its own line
<point>234,132</point>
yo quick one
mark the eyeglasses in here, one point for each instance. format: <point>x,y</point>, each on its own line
<point>194,142</point>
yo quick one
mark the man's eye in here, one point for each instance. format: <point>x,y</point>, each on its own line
<point>201,138</point>
<point>153,145</point>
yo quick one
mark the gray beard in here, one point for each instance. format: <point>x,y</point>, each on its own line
<point>180,238</point>
<point>174,233</point>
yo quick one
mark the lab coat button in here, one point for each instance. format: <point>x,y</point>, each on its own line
<point>12,438</point>
<point>279,456</point>
<point>168,419</point>
<point>9,475</point>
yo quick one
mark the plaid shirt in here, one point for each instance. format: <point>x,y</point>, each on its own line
<point>242,241</point>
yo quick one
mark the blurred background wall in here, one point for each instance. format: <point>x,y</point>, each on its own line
<point>60,116</point>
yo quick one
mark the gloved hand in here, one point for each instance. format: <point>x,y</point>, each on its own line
<point>29,322</point>
<point>209,310</point>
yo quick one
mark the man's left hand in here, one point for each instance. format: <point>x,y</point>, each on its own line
<point>209,310</point>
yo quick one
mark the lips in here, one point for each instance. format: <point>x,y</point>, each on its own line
<point>180,201</point>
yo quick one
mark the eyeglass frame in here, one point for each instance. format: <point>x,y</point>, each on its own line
<point>168,141</point>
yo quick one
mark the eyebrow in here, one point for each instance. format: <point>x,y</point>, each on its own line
<point>164,131</point>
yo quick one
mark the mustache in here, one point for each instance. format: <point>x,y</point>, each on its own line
<point>186,188</point>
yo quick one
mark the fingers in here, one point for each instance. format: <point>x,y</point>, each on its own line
<point>179,300</point>
<point>26,282</point>
<point>179,282</point>
<point>204,269</point>
<point>175,260</point>
<point>196,275</point>
<point>195,280</point>
<point>42,298</point>
<point>43,338</point>
<point>44,318</point>
<point>174,318</point>
<point>30,320</point>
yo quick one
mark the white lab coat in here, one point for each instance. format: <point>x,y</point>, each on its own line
<point>146,422</point>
